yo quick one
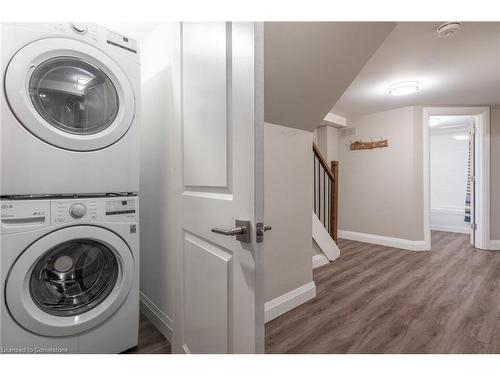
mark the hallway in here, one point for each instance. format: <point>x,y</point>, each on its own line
<point>376,299</point>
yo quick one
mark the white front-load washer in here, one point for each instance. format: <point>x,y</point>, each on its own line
<point>69,275</point>
<point>69,110</point>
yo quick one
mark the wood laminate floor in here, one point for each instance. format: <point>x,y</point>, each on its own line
<point>151,341</point>
<point>376,299</point>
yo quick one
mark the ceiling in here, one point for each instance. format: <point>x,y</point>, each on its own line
<point>463,69</point>
<point>309,65</point>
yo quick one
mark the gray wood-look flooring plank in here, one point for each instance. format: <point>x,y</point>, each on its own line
<point>376,299</point>
<point>151,341</point>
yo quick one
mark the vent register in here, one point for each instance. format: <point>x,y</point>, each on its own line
<point>347,132</point>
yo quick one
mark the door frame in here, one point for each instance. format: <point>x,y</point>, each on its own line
<point>482,163</point>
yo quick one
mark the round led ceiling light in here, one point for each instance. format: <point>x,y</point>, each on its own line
<point>448,29</point>
<point>403,88</point>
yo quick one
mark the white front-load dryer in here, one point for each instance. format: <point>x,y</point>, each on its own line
<point>70,110</point>
<point>69,275</point>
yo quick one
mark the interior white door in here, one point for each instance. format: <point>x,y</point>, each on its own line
<point>219,302</point>
<point>472,184</point>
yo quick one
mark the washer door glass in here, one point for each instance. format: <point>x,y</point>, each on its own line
<point>73,95</point>
<point>73,277</point>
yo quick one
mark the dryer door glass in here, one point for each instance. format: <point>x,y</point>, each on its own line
<point>73,277</point>
<point>73,95</point>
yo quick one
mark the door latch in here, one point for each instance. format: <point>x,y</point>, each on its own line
<point>260,229</point>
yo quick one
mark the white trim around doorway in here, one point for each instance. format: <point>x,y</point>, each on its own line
<point>482,206</point>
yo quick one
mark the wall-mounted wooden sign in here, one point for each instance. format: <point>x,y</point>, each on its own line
<point>358,145</point>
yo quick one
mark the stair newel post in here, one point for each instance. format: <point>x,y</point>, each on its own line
<point>334,201</point>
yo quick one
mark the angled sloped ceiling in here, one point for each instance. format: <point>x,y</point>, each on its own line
<point>309,65</point>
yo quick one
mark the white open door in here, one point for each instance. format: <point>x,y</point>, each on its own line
<point>219,179</point>
<point>472,182</point>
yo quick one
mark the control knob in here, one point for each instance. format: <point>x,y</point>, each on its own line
<point>78,210</point>
<point>79,28</point>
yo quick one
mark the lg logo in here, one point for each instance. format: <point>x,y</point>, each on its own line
<point>4,206</point>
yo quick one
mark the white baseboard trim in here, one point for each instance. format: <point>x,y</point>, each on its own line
<point>289,301</point>
<point>448,210</point>
<point>160,320</point>
<point>398,243</point>
<point>449,219</point>
<point>445,228</point>
<point>319,260</point>
<point>495,245</point>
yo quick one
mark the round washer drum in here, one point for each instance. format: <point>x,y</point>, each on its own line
<point>69,94</point>
<point>70,280</point>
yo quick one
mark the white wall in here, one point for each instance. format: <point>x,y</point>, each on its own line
<point>355,183</point>
<point>288,207</point>
<point>380,190</point>
<point>160,53</point>
<point>159,46</point>
<point>448,161</point>
<point>327,140</point>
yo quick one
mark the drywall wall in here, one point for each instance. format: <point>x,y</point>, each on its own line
<point>495,172</point>
<point>159,55</point>
<point>448,177</point>
<point>327,140</point>
<point>320,137</point>
<point>333,143</point>
<point>380,190</point>
<point>288,207</point>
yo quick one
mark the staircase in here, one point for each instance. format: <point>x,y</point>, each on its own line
<point>325,209</point>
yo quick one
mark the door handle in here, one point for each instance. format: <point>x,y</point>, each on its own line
<point>241,231</point>
<point>230,232</point>
<point>260,229</point>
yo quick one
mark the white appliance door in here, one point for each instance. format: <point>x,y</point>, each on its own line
<point>69,281</point>
<point>219,303</point>
<point>69,94</point>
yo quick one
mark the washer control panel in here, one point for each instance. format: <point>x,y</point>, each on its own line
<point>22,215</point>
<point>114,209</point>
<point>120,206</point>
<point>71,210</point>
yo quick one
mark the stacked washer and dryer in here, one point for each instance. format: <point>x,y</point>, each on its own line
<point>69,253</point>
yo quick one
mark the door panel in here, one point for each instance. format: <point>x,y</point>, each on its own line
<point>208,281</point>
<point>205,82</point>
<point>218,304</point>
